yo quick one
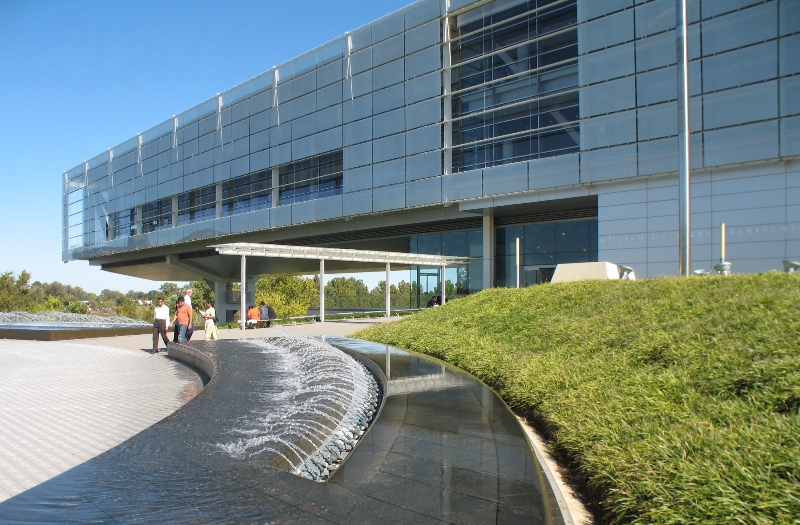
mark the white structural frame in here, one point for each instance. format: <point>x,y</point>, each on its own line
<point>245,249</point>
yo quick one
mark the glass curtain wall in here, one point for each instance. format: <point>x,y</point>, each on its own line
<point>514,83</point>
<point>248,193</point>
<point>74,188</point>
<point>157,215</point>
<point>542,246</point>
<point>459,281</point>
<point>311,178</point>
<point>197,205</point>
<point>124,224</point>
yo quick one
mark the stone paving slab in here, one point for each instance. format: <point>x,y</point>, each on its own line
<point>64,403</point>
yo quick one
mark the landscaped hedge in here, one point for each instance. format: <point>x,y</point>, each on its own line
<point>677,397</point>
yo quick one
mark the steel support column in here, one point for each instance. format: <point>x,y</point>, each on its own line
<point>684,191</point>
<point>243,294</point>
<point>388,292</point>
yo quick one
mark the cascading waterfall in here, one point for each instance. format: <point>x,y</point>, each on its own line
<point>325,401</point>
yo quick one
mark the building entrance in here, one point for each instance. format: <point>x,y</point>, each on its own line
<point>532,275</point>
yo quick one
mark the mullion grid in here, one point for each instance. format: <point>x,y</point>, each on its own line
<point>511,115</point>
<point>247,193</point>
<point>311,178</point>
<point>196,205</point>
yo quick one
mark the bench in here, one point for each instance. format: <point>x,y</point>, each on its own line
<point>261,323</point>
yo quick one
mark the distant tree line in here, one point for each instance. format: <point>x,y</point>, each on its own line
<point>17,293</point>
<point>293,296</point>
<point>289,295</point>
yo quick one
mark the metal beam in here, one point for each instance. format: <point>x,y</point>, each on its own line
<point>337,254</point>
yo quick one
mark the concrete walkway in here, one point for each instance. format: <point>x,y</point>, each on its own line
<point>64,403</point>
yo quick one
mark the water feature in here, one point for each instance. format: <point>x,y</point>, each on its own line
<point>66,320</point>
<point>318,401</point>
<point>55,326</point>
<point>442,449</point>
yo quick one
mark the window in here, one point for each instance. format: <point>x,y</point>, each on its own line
<point>247,193</point>
<point>543,245</point>
<point>197,205</point>
<point>124,223</point>
<point>514,84</point>
<point>157,215</point>
<point>75,212</point>
<point>311,178</point>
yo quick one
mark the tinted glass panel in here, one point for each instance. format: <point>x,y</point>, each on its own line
<point>248,193</point>
<point>157,215</point>
<point>543,246</point>
<point>508,65</point>
<point>311,178</point>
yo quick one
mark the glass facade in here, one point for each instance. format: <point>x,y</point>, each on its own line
<point>124,223</point>
<point>461,280</point>
<point>156,215</point>
<point>248,193</point>
<point>74,187</point>
<point>443,111</point>
<point>312,178</point>
<point>197,205</point>
<point>514,83</point>
<point>542,246</point>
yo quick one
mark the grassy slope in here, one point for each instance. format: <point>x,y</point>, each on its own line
<point>677,397</point>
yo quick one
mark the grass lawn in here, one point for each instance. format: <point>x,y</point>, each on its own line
<point>677,399</point>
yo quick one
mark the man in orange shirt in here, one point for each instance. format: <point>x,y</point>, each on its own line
<point>183,314</point>
<point>253,316</point>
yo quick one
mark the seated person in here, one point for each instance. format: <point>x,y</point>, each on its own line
<point>253,316</point>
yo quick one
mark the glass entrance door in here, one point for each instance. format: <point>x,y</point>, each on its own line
<point>536,275</point>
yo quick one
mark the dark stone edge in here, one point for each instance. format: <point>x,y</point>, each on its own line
<point>33,334</point>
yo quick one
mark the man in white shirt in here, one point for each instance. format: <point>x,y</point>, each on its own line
<point>188,297</point>
<point>160,324</point>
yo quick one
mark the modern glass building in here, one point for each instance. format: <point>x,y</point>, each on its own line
<point>456,127</point>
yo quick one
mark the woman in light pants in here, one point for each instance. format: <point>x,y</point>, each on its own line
<point>210,327</point>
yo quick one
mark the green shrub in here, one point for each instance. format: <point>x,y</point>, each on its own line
<point>678,398</point>
<point>77,307</point>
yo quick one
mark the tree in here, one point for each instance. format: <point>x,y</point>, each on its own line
<point>110,298</point>
<point>169,289</point>
<point>13,291</point>
<point>342,292</point>
<point>53,304</point>
<point>397,298</point>
<point>128,308</point>
<point>77,307</point>
<point>289,295</point>
<point>201,293</point>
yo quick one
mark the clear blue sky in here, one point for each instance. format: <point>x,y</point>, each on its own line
<point>80,76</point>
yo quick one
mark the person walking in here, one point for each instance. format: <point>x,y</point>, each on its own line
<point>210,315</point>
<point>160,319</point>
<point>188,297</point>
<point>175,329</point>
<point>183,315</point>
